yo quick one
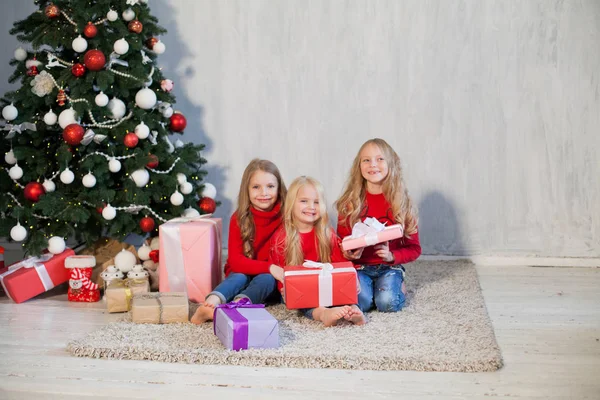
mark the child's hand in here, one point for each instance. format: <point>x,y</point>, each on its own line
<point>352,254</point>
<point>277,272</point>
<point>383,250</point>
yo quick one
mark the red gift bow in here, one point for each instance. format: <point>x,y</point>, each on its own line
<point>154,255</point>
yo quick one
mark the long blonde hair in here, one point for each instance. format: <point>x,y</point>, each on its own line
<point>244,215</point>
<point>323,231</point>
<point>350,204</point>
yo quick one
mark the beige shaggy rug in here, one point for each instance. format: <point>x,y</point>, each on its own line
<point>443,327</point>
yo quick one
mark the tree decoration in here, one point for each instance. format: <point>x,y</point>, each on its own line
<point>135,26</point>
<point>78,70</point>
<point>32,66</point>
<point>89,180</point>
<point>141,177</point>
<point>142,131</point>
<point>176,198</point>
<point>61,97</point>
<point>67,117</point>
<point>10,158</point>
<point>186,188</point>
<point>20,54</point>
<point>209,191</point>
<point>42,84</point>
<point>73,134</point>
<point>117,108</point>
<point>101,99</point>
<point>121,46</point>
<point>56,245</point>
<point>94,60</point>
<point>166,85</point>
<point>79,44</point>
<point>112,16</point>
<point>147,224</point>
<point>177,122</point>
<point>207,205</point>
<point>33,191</point>
<point>114,165</point>
<point>49,186</point>
<point>90,30</point>
<point>10,112</point>
<point>109,212</point>
<point>130,140</point>
<point>52,11</point>
<point>67,176</point>
<point>145,99</point>
<point>15,172</point>
<point>153,162</point>
<point>128,14</point>
<point>159,47</point>
<point>18,233</point>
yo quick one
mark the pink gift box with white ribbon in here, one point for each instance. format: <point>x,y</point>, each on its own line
<point>371,232</point>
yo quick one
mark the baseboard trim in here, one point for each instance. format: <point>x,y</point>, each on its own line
<point>522,261</point>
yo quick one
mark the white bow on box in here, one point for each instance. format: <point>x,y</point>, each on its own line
<point>367,229</point>
<point>31,262</point>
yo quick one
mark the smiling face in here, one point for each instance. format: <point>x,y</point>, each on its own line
<point>306,209</point>
<point>263,190</point>
<point>373,167</point>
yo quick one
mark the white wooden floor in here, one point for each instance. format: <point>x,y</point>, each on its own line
<point>547,322</point>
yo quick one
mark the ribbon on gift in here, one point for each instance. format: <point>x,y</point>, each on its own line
<point>122,284</point>
<point>368,230</point>
<point>31,262</point>
<point>174,263</point>
<point>325,273</point>
<point>14,129</point>
<point>240,323</point>
<point>90,136</point>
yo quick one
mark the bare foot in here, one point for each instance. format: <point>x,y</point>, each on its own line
<point>203,313</point>
<point>356,316</point>
<point>331,316</point>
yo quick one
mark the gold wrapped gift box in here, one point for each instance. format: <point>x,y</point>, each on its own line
<point>119,293</point>
<point>160,308</point>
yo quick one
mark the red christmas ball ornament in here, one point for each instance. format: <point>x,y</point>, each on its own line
<point>177,122</point>
<point>78,70</point>
<point>135,26</point>
<point>52,11</point>
<point>153,162</point>
<point>207,205</point>
<point>33,71</point>
<point>90,30</point>
<point>33,191</point>
<point>94,60</point>
<point>73,134</point>
<point>147,224</point>
<point>151,42</point>
<point>131,140</point>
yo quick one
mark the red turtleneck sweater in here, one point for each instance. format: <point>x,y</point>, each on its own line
<point>265,224</point>
<point>404,249</point>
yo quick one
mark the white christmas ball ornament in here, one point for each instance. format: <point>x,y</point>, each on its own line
<point>112,16</point>
<point>117,108</point>
<point>159,47</point>
<point>18,233</point>
<point>114,165</point>
<point>49,185</point>
<point>141,177</point>
<point>181,178</point>
<point>101,99</point>
<point>190,213</point>
<point>109,212</point>
<point>209,190</point>
<point>145,99</point>
<point>9,157</point>
<point>67,117</point>
<point>89,180</point>
<point>144,252</point>
<point>79,44</point>
<point>125,260</point>
<point>20,54</point>
<point>56,245</point>
<point>186,188</point>
<point>121,46</point>
<point>167,112</point>
<point>128,14</point>
<point>176,198</point>
<point>67,176</point>
<point>15,172</point>
<point>50,118</point>
<point>142,131</point>
<point>10,112</point>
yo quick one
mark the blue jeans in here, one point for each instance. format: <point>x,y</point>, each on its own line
<point>381,287</point>
<point>257,288</point>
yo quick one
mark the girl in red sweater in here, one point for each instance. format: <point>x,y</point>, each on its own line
<point>307,235</point>
<point>376,189</point>
<point>256,218</point>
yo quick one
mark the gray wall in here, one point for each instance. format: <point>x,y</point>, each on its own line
<point>492,105</point>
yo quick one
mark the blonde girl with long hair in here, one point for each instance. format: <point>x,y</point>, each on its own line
<point>257,217</point>
<point>375,188</point>
<point>307,235</point>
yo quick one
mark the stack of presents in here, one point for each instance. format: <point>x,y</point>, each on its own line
<point>156,282</point>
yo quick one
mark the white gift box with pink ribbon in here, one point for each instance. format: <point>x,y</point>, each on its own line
<point>190,256</point>
<point>371,232</point>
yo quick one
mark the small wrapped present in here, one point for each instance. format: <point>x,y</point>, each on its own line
<point>190,256</point>
<point>34,275</point>
<point>81,287</point>
<point>160,308</point>
<point>320,285</point>
<point>1,257</point>
<point>370,232</point>
<point>105,251</point>
<point>241,326</point>
<point>119,292</point>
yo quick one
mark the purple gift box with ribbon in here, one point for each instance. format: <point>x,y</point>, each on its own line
<point>241,326</point>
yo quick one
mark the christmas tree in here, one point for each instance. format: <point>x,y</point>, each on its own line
<point>87,138</point>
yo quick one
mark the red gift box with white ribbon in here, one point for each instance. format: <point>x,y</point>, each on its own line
<point>320,285</point>
<point>32,276</point>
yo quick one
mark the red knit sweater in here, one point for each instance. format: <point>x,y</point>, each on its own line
<point>265,224</point>
<point>310,249</point>
<point>404,250</point>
